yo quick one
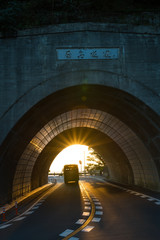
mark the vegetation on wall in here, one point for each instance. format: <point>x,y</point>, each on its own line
<point>21,14</point>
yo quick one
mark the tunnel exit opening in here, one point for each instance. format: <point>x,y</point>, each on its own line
<point>87,159</point>
<point>74,154</point>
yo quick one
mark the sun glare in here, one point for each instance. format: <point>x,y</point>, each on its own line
<point>74,154</point>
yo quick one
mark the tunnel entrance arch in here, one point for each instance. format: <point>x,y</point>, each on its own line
<point>125,122</point>
<point>97,140</point>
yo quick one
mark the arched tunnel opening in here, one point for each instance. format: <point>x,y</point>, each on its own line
<point>88,161</point>
<point>101,143</point>
<point>74,154</point>
<point>117,125</point>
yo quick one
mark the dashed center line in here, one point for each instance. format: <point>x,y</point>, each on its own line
<point>73,238</point>
<point>66,233</point>
<point>90,203</point>
<point>99,207</point>
<point>87,228</point>
<point>85,213</point>
<point>81,221</point>
<point>87,208</point>
<point>95,200</point>
<point>99,213</point>
<point>96,219</point>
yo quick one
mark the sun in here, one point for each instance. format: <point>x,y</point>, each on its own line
<point>74,154</point>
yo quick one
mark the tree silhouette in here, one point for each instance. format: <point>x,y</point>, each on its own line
<point>22,14</point>
<point>95,162</point>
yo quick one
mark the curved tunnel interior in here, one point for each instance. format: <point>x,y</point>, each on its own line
<point>114,123</point>
<point>97,140</point>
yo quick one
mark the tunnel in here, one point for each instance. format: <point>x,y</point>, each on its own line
<point>117,125</point>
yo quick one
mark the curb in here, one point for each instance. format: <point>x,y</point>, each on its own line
<point>20,199</point>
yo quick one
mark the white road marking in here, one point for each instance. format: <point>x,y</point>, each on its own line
<point>96,219</point>
<point>42,200</point>
<point>143,196</point>
<point>30,212</point>
<point>73,238</point>
<point>80,221</point>
<point>97,203</point>
<point>151,199</point>
<point>46,194</point>
<point>19,219</point>
<point>5,226</point>
<point>87,203</point>
<point>66,233</point>
<point>95,200</point>
<point>36,207</point>
<point>85,213</point>
<point>133,192</point>
<point>99,213</point>
<point>87,208</point>
<point>99,207</point>
<point>39,204</point>
<point>137,194</point>
<point>87,228</point>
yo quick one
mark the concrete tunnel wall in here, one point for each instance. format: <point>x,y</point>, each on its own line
<point>38,89</point>
<point>31,71</point>
<point>128,122</point>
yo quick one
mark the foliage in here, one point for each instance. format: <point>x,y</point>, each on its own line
<point>21,14</point>
<point>10,14</point>
<point>95,162</point>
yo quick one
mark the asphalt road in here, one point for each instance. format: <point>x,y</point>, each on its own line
<point>92,210</point>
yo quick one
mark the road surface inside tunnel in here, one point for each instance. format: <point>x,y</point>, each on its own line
<point>94,209</point>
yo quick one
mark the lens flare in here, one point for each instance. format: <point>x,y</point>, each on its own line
<point>74,154</point>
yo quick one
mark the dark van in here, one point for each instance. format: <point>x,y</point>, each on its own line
<point>71,173</point>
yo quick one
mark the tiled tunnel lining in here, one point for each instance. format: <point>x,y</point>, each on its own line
<point>144,170</point>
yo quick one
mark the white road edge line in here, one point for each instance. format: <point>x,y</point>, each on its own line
<point>129,190</point>
<point>5,226</point>
<point>45,194</point>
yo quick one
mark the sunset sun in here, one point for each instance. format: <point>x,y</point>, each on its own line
<point>74,154</point>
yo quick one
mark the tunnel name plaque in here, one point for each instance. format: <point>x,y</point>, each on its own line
<point>87,53</point>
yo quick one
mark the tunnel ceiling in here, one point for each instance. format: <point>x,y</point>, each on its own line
<point>120,133</point>
<point>124,120</point>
